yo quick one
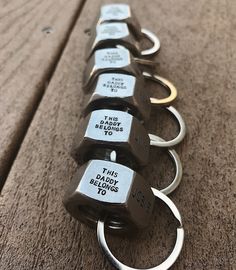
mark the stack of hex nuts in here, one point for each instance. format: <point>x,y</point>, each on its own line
<point>112,142</point>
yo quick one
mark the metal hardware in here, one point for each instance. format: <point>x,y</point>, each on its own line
<point>106,188</point>
<point>116,130</point>
<point>109,35</point>
<point>120,61</point>
<point>172,257</point>
<point>182,131</point>
<point>119,131</point>
<point>117,60</point>
<point>165,83</point>
<point>122,91</point>
<point>178,170</point>
<point>112,142</point>
<point>120,13</point>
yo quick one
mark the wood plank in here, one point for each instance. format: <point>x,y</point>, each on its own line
<point>33,35</point>
<point>198,56</point>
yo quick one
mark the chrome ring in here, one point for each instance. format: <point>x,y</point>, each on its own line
<point>154,39</point>
<point>172,257</point>
<point>178,170</point>
<point>154,140</point>
<point>167,84</point>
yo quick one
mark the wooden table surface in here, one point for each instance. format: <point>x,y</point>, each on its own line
<point>41,64</point>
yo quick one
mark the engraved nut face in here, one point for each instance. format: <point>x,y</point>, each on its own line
<point>110,35</point>
<point>116,130</point>
<point>120,91</point>
<point>120,13</point>
<point>117,60</point>
<point>106,188</point>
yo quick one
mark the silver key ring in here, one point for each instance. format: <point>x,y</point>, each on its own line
<point>154,39</point>
<point>178,170</point>
<point>172,257</point>
<point>182,132</point>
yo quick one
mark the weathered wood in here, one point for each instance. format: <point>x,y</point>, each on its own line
<point>198,56</point>
<point>33,35</point>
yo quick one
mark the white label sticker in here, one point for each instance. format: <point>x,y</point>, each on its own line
<point>109,125</point>
<point>115,85</point>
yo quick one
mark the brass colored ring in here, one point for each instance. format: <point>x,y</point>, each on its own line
<point>167,84</point>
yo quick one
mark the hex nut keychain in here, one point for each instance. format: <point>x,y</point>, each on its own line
<point>131,34</point>
<point>112,142</point>
<point>103,187</point>
<point>115,130</point>
<point>119,13</point>
<point>104,192</point>
<point>109,60</point>
<point>120,60</point>
<point>109,35</point>
<point>125,92</point>
<point>122,92</point>
<point>104,131</point>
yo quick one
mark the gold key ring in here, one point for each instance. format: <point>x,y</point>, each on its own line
<point>167,84</point>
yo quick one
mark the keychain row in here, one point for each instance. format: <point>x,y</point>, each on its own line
<point>112,143</point>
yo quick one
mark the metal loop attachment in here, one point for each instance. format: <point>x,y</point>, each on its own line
<point>172,257</point>
<point>154,39</point>
<point>167,84</point>
<point>178,170</point>
<point>154,140</point>
<point>144,62</point>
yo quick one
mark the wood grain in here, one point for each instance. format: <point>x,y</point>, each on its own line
<point>198,55</point>
<point>33,35</point>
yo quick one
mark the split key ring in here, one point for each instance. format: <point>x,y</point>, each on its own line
<point>172,257</point>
